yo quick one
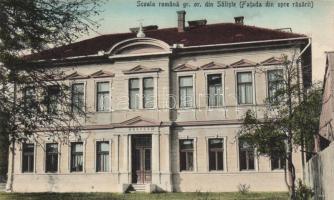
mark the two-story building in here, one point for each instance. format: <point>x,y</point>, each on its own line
<point>165,109</point>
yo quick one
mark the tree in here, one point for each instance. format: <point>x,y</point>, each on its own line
<point>290,119</point>
<point>35,98</point>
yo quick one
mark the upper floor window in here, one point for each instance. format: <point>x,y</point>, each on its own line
<point>53,93</point>
<point>76,157</point>
<point>148,96</point>
<point>51,161</point>
<point>215,92</point>
<point>216,154</point>
<point>78,97</point>
<point>102,156</point>
<point>275,83</point>
<point>245,87</point>
<point>30,97</point>
<point>134,93</point>
<point>186,91</point>
<point>246,156</point>
<point>102,96</point>
<point>28,158</point>
<point>186,155</point>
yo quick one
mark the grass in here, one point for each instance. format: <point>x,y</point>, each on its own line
<point>144,196</point>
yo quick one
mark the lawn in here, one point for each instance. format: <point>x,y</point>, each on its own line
<point>143,196</point>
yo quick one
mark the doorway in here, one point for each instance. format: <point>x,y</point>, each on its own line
<point>141,159</point>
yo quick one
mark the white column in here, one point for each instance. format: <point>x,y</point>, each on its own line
<point>156,158</point>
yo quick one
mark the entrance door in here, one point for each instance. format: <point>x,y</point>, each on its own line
<point>141,159</point>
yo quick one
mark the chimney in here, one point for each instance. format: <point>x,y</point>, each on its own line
<point>239,20</point>
<point>181,20</point>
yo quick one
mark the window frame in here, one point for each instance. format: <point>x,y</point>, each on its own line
<point>47,99</point>
<point>83,157</point>
<point>129,93</point>
<point>97,92</point>
<point>194,154</point>
<point>109,156</point>
<point>251,72</point>
<point>239,163</point>
<point>34,158</point>
<point>282,165</point>
<point>46,155</point>
<point>149,88</point>
<point>268,70</point>
<point>223,153</point>
<point>222,74</point>
<point>182,75</point>
<point>84,94</point>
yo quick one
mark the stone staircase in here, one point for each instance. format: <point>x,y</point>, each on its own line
<point>137,188</point>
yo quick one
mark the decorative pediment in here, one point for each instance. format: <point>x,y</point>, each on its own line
<point>273,61</point>
<point>213,65</point>
<point>101,74</point>
<point>185,67</point>
<point>139,121</point>
<point>243,63</point>
<point>141,69</point>
<point>76,75</point>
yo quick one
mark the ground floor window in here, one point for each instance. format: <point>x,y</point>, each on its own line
<point>187,155</point>
<point>51,161</point>
<point>246,156</point>
<point>102,156</point>
<point>277,162</point>
<point>76,156</point>
<point>216,154</point>
<point>28,158</point>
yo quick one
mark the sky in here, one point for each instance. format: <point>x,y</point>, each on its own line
<point>118,16</point>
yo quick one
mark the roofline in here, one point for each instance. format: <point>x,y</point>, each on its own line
<point>176,46</point>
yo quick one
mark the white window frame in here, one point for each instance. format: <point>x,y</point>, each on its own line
<point>270,68</point>
<point>83,157</point>
<point>110,155</point>
<point>85,91</point>
<point>252,71</point>
<point>256,160</point>
<point>101,80</point>
<point>222,73</point>
<point>178,76</point>
<point>21,158</point>
<point>225,169</point>
<point>45,155</point>
<point>194,156</point>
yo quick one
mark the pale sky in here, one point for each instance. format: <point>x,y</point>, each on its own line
<point>318,22</point>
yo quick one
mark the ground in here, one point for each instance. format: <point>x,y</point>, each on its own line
<point>143,196</point>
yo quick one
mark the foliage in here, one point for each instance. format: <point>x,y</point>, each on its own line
<point>144,196</point>
<point>29,26</point>
<point>243,188</point>
<point>303,192</point>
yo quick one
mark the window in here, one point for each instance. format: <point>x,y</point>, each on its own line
<point>134,93</point>
<point>51,161</point>
<point>102,96</point>
<point>245,87</point>
<point>186,91</point>
<point>216,154</point>
<point>28,158</point>
<point>215,98</point>
<point>246,156</point>
<point>102,156</point>
<point>186,155</point>
<point>148,97</point>
<point>53,93</point>
<point>275,83</point>
<point>30,98</point>
<point>277,162</point>
<point>77,157</point>
<point>78,97</point>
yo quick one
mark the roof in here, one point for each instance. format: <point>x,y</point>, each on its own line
<point>210,34</point>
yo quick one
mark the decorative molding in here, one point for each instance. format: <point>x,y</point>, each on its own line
<point>213,65</point>
<point>101,74</point>
<point>76,75</point>
<point>273,61</point>
<point>243,63</point>
<point>141,69</point>
<point>185,67</point>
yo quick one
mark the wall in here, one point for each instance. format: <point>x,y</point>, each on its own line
<point>319,172</point>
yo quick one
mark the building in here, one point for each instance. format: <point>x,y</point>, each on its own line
<point>167,105</point>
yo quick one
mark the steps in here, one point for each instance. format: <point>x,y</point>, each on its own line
<point>137,188</point>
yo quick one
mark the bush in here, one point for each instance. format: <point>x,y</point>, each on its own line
<point>243,188</point>
<point>303,192</point>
